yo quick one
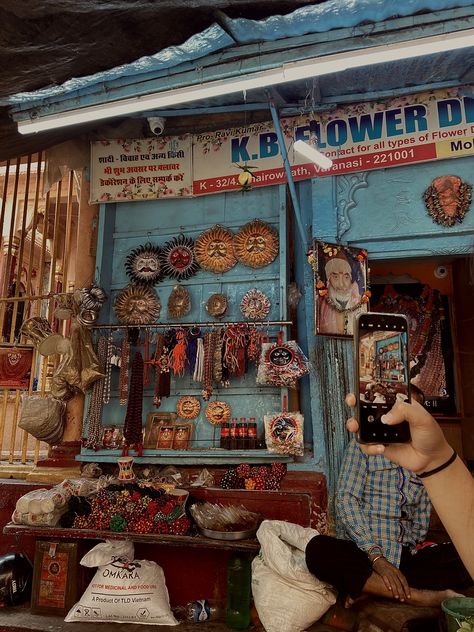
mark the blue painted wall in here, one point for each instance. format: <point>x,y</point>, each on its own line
<point>127,225</point>
<point>384,212</point>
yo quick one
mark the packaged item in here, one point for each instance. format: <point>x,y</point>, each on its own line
<point>284,433</point>
<point>123,590</point>
<point>288,598</point>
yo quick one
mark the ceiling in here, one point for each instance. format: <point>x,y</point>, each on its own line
<point>48,42</point>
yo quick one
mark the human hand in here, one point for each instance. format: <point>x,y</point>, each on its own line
<point>393,578</point>
<point>428,447</point>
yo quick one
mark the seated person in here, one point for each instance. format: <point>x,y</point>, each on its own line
<point>383,512</point>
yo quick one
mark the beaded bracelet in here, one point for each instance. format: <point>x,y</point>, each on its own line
<point>441,467</point>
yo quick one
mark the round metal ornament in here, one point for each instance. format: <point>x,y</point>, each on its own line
<point>255,305</point>
<point>215,249</point>
<point>188,407</point>
<point>256,244</point>
<point>217,305</point>
<point>217,412</point>
<point>137,305</point>
<point>178,258</point>
<point>143,265</point>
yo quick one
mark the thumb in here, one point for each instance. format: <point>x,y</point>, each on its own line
<point>414,413</point>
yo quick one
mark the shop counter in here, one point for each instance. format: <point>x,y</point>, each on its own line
<point>195,541</point>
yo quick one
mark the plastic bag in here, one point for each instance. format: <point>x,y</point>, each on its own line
<point>284,433</point>
<point>288,598</point>
<point>281,364</point>
<point>16,573</point>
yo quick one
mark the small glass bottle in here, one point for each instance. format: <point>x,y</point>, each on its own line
<point>252,434</point>
<point>199,611</point>
<point>234,428</point>
<point>242,434</point>
<point>225,435</point>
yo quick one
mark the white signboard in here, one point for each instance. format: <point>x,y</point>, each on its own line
<point>141,169</point>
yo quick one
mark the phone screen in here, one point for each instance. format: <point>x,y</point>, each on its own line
<point>382,373</point>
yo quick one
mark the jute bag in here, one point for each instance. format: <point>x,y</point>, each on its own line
<point>42,417</point>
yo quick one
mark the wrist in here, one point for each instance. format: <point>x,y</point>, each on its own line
<point>438,458</point>
<point>376,559</point>
<point>439,465</point>
<point>375,552</point>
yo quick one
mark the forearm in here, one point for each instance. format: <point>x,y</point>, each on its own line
<point>452,494</point>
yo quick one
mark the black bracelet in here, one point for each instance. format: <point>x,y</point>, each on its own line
<point>451,459</point>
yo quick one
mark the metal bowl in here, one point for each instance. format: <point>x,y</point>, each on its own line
<point>228,535</point>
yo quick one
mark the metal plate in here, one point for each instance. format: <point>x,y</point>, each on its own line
<point>228,535</point>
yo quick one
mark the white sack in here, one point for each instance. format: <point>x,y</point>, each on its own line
<point>123,591</point>
<point>288,598</point>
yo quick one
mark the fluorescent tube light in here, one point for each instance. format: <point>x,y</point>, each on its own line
<point>312,154</point>
<point>285,73</point>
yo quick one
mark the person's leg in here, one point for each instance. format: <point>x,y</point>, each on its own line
<point>339,563</point>
<point>343,565</point>
<point>436,568</point>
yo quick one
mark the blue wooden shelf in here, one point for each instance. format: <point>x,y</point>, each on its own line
<point>211,456</point>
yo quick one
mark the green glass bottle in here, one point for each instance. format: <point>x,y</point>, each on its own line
<point>239,575</point>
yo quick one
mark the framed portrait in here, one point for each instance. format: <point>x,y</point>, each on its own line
<point>182,436</point>
<point>165,436</point>
<point>55,572</point>
<point>341,289</point>
<point>15,366</point>
<point>112,438</point>
<point>153,422</point>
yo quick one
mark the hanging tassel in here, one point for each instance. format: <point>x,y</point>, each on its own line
<point>178,355</point>
<point>191,350</point>
<point>198,374</point>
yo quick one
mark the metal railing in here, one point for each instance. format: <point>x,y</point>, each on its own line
<point>38,238</point>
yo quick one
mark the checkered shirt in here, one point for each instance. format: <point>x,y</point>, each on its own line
<point>380,503</point>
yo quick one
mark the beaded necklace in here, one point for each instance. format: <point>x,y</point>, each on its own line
<point>108,370</point>
<point>132,428</point>
<point>209,339</point>
<point>94,414</point>
<point>123,377</point>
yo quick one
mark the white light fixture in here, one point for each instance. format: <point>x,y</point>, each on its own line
<point>293,71</point>
<point>310,152</point>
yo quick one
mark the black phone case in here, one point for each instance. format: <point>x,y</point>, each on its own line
<point>368,414</point>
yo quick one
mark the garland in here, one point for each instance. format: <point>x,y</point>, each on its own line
<point>439,215</point>
<point>132,428</point>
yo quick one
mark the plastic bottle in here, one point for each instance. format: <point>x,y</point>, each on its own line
<point>237,615</point>
<point>242,434</point>
<point>252,434</point>
<point>225,436</point>
<point>233,434</point>
<point>198,611</point>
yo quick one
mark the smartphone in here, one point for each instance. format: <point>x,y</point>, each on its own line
<point>381,374</point>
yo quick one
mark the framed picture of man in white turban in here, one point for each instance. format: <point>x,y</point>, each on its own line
<point>340,287</point>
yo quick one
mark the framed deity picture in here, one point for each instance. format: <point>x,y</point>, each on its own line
<point>55,573</point>
<point>165,436</point>
<point>153,423</point>
<point>182,436</point>
<point>112,438</point>
<point>340,287</point>
<point>15,366</point>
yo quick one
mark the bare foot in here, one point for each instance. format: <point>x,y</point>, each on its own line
<point>430,597</point>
